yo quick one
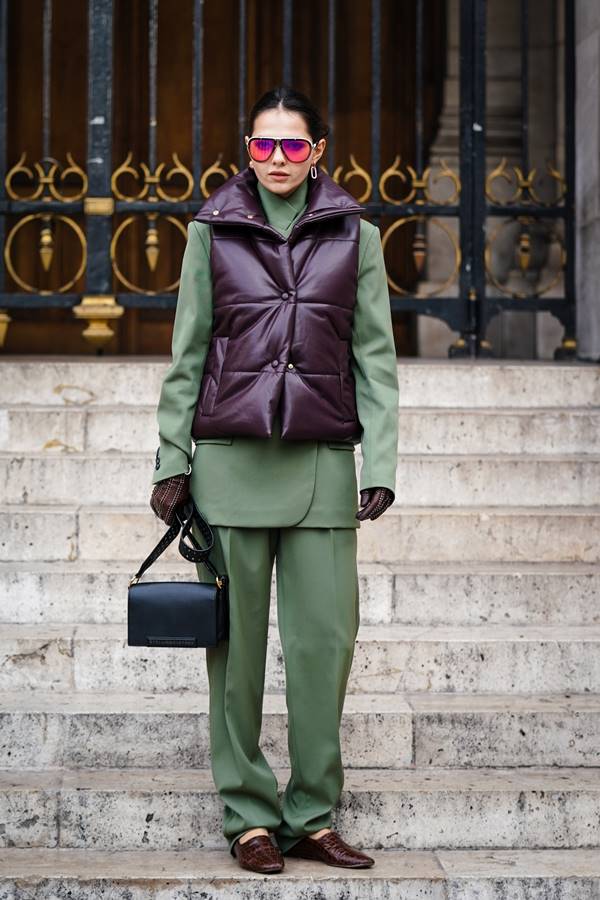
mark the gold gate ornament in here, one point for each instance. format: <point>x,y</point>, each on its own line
<point>98,310</point>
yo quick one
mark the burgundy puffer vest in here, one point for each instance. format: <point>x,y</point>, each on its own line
<point>282,315</point>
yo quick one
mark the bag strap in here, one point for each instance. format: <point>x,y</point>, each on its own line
<point>186,514</point>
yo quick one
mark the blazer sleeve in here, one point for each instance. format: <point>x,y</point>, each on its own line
<point>374,366</point>
<point>192,331</point>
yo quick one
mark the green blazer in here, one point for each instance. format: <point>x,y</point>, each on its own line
<point>270,482</point>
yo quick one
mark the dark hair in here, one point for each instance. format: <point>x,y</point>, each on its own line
<point>294,101</point>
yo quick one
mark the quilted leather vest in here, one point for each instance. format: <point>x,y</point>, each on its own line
<point>282,316</point>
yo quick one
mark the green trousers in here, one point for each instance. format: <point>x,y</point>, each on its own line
<point>318,620</point>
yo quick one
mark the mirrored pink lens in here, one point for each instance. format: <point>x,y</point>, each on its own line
<point>261,148</point>
<point>295,150</point>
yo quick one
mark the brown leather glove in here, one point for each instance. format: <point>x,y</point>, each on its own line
<point>374,502</point>
<point>168,494</point>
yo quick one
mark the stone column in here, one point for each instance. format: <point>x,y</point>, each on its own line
<point>587,178</point>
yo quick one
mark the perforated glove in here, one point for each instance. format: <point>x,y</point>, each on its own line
<point>168,494</point>
<point>374,502</point>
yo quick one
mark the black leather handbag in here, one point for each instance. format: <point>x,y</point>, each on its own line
<point>179,613</point>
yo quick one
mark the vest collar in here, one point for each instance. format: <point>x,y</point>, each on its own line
<point>237,202</point>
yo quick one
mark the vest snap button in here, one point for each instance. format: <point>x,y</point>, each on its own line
<point>250,216</point>
<point>215,212</point>
<point>285,295</point>
<point>275,362</point>
<point>290,365</point>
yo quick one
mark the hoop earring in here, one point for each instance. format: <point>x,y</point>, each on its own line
<point>313,171</point>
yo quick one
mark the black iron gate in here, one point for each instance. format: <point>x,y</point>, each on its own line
<point>470,219</point>
<point>481,206</point>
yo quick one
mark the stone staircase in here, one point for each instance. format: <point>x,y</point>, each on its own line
<point>471,728</point>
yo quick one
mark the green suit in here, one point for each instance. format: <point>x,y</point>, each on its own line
<point>293,502</point>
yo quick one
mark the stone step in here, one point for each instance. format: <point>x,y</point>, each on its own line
<point>94,591</point>
<point>422,430</point>
<point>387,659</point>
<point>123,809</point>
<point>403,534</point>
<point>497,383</point>
<point>523,431</point>
<point>103,729</point>
<point>466,383</point>
<point>491,533</point>
<point>433,480</point>
<point>407,874</point>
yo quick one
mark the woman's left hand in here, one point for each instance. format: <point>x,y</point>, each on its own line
<point>374,502</point>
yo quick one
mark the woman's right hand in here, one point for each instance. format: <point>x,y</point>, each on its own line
<point>374,502</point>
<point>168,494</point>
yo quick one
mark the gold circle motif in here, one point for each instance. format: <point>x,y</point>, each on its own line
<point>33,288</point>
<point>399,223</point>
<point>524,185</point>
<point>113,256</point>
<point>520,295</point>
<point>47,179</point>
<point>215,169</point>
<point>355,171</point>
<point>419,184</point>
<point>152,180</point>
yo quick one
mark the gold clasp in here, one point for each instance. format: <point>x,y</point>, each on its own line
<point>220,582</point>
<point>133,580</point>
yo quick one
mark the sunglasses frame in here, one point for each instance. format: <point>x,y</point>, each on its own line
<point>278,140</point>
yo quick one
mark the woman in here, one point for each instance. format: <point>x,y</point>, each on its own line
<point>283,360</point>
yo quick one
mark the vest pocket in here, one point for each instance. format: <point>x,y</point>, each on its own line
<point>347,397</point>
<point>211,378</point>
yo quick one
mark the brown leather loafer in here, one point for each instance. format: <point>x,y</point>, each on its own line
<point>330,848</point>
<point>259,854</point>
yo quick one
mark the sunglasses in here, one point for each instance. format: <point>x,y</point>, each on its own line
<point>296,150</point>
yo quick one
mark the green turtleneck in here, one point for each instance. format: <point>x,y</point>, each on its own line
<point>282,212</point>
<point>374,368</point>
